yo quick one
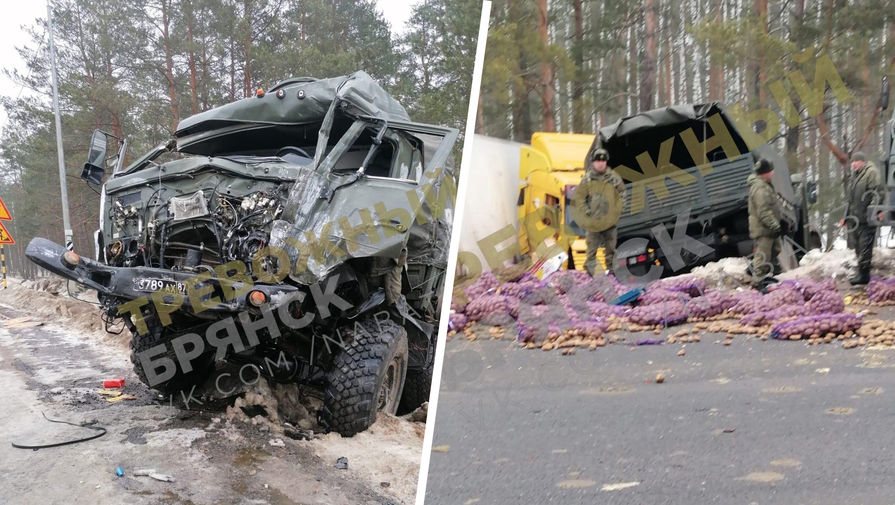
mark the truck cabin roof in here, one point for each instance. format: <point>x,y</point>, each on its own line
<point>291,112</point>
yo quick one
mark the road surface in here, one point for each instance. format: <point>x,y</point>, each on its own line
<point>49,367</point>
<point>756,422</point>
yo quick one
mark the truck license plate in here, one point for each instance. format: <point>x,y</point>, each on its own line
<point>150,284</point>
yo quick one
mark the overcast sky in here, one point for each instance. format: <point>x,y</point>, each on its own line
<point>24,13</point>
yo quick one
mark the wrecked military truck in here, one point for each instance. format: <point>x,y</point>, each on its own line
<point>303,230</point>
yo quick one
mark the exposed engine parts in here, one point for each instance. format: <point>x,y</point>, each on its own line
<point>182,231</point>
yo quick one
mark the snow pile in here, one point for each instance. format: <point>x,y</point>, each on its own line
<point>724,273</point>
<point>272,405</point>
<point>388,452</point>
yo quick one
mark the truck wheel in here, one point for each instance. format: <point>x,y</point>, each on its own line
<point>367,377</point>
<point>202,366</point>
<point>416,389</point>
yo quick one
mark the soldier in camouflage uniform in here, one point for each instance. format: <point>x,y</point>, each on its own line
<point>764,223</point>
<point>596,207</point>
<point>864,191</point>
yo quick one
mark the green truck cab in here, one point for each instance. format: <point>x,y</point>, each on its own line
<point>309,223</point>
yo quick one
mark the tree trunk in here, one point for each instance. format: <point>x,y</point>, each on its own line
<point>578,116</point>
<point>247,46</point>
<point>648,62</point>
<point>194,91</point>
<point>232,71</point>
<point>632,69</point>
<point>716,76</point>
<point>546,84</point>
<point>792,131</point>
<point>169,64</point>
<point>668,73</point>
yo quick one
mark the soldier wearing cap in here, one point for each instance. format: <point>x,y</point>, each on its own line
<point>864,191</point>
<point>765,227</point>
<point>596,208</point>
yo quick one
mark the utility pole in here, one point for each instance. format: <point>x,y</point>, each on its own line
<point>66,220</point>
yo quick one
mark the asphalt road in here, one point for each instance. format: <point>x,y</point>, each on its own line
<point>756,422</point>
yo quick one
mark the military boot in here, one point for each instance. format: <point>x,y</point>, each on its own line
<point>862,277</point>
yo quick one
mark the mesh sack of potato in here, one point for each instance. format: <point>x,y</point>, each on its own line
<point>746,302</point>
<point>712,303</point>
<point>685,284</point>
<point>602,309</point>
<point>565,280</point>
<point>457,321</point>
<point>773,315</point>
<point>817,325</point>
<point>880,291</point>
<point>659,295</point>
<point>825,302</point>
<point>667,313</point>
<point>782,294</point>
<point>485,283</point>
<point>487,305</point>
<point>519,287</point>
<point>810,287</point>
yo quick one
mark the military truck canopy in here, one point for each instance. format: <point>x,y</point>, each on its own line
<point>644,132</point>
<point>290,113</point>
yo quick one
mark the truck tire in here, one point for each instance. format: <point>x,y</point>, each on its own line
<point>416,389</point>
<point>203,365</point>
<point>367,377</point>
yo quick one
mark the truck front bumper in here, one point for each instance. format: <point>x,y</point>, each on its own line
<point>123,282</point>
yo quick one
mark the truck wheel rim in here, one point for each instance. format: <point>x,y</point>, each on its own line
<point>388,392</point>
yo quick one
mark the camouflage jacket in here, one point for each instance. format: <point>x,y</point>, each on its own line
<point>595,205</point>
<point>764,209</point>
<point>865,189</point>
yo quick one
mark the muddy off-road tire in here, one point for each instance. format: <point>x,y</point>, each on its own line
<point>416,389</point>
<point>203,365</point>
<point>367,378</point>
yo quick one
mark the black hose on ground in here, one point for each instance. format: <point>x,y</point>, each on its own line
<point>100,429</point>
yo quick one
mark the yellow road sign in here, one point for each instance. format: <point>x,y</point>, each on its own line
<point>5,237</point>
<point>4,213</point>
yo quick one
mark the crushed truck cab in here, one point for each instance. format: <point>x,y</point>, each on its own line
<point>316,215</point>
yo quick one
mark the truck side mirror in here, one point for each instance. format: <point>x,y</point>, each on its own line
<point>94,170</point>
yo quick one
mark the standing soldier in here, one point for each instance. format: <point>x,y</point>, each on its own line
<point>864,191</point>
<point>764,223</point>
<point>598,208</point>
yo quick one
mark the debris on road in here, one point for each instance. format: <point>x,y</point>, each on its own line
<point>660,378</point>
<point>120,397</point>
<point>419,414</point>
<point>565,310</point>
<point>276,442</point>
<point>161,477</point>
<point>119,471</point>
<point>274,406</point>
<point>619,486</point>
<point>113,383</point>
<point>22,322</point>
<point>342,463</point>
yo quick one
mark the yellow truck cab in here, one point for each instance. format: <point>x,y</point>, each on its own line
<point>549,169</point>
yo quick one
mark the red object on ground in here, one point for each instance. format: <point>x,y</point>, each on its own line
<point>113,383</point>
